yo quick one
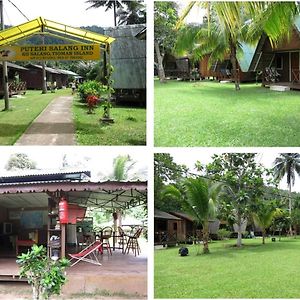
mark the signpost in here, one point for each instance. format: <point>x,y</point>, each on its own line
<point>50,52</point>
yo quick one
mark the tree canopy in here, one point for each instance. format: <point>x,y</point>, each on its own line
<point>20,161</point>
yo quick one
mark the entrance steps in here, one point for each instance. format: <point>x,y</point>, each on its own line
<point>279,88</point>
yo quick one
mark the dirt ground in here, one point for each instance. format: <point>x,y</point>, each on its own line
<point>22,291</point>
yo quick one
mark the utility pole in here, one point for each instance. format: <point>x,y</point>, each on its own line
<point>4,66</point>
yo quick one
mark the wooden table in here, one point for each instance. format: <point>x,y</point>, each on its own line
<point>23,243</point>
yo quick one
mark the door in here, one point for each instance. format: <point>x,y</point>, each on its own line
<point>295,67</point>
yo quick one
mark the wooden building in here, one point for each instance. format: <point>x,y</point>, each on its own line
<point>15,83</point>
<point>168,229</point>
<point>280,64</point>
<point>222,70</point>
<point>33,76</point>
<point>29,212</point>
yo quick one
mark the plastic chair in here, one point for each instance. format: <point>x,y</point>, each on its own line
<point>133,243</point>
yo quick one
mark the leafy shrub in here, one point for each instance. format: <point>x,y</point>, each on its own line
<point>91,87</point>
<point>223,234</point>
<point>45,275</point>
<point>91,102</point>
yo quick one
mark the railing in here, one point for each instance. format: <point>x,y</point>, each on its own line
<point>295,76</point>
<point>17,88</point>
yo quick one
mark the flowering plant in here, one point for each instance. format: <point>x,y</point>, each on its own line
<point>91,102</point>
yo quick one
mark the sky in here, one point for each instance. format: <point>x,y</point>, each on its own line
<point>265,157</point>
<point>94,159</point>
<point>69,12</point>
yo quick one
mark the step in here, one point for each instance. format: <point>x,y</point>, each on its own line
<point>279,88</point>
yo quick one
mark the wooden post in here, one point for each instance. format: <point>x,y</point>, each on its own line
<point>4,67</point>
<point>63,240</point>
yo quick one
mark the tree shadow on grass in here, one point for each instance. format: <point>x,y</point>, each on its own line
<point>10,130</point>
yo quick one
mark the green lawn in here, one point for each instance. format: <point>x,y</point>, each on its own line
<point>254,271</point>
<point>213,114</point>
<point>22,112</point>
<point>129,127</point>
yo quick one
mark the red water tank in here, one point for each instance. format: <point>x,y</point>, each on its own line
<point>63,211</point>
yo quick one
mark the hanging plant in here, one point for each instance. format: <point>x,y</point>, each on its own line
<point>106,118</point>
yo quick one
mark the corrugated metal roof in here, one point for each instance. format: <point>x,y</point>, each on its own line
<point>38,176</point>
<point>109,195</point>
<point>163,215</point>
<point>30,172</point>
<point>15,66</point>
<point>246,55</point>
<point>297,23</point>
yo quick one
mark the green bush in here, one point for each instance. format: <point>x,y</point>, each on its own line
<point>91,87</point>
<point>223,234</point>
<point>44,275</point>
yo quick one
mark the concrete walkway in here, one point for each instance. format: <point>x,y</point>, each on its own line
<point>54,126</point>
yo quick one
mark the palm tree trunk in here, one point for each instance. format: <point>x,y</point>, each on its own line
<point>234,65</point>
<point>290,208</point>
<point>161,71</point>
<point>115,13</point>
<point>239,231</point>
<point>205,237</point>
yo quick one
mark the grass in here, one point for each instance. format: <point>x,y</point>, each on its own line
<point>212,114</point>
<point>22,113</point>
<point>254,271</point>
<point>129,127</point>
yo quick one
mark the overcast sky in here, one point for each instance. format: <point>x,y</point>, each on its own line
<point>94,159</point>
<point>69,12</point>
<point>265,157</point>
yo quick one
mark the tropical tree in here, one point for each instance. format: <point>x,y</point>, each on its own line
<point>128,12</point>
<point>263,217</point>
<point>20,161</point>
<point>195,196</point>
<point>287,164</point>
<point>166,171</point>
<point>228,26</point>
<point>219,37</point>
<point>165,19</point>
<point>243,183</point>
<point>133,13</point>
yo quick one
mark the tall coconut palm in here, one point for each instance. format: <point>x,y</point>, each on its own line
<point>133,13</point>
<point>229,26</point>
<point>287,164</point>
<point>195,195</point>
<point>108,4</point>
<point>221,36</point>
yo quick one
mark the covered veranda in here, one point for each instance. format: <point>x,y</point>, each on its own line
<point>119,272</point>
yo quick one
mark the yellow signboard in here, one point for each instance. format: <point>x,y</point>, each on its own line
<point>50,52</point>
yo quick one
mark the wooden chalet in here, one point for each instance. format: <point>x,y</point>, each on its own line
<point>280,65</point>
<point>177,67</point>
<point>191,230</point>
<point>56,78</point>
<point>15,84</point>
<point>222,70</point>
<point>168,228</point>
